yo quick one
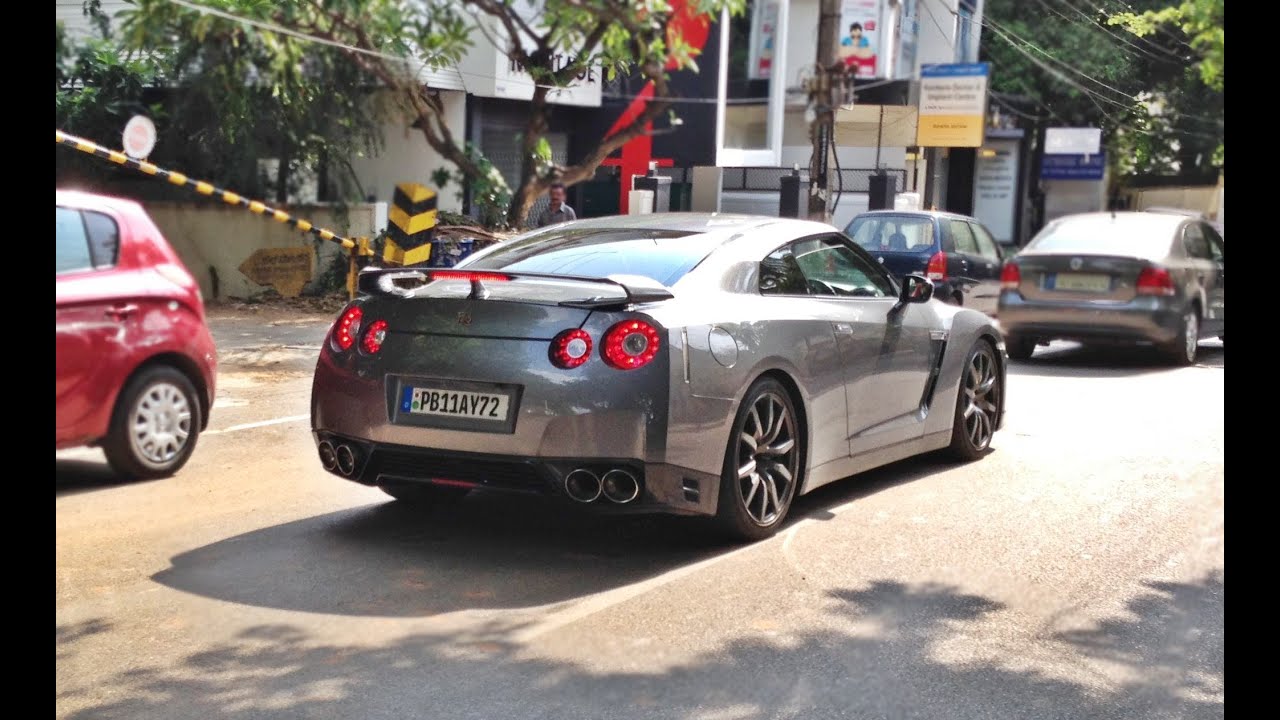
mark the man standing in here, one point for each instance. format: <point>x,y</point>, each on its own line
<point>557,212</point>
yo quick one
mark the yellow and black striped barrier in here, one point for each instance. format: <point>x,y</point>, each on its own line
<point>413,222</point>
<point>204,188</point>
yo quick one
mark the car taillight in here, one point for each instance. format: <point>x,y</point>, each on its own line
<point>630,344</point>
<point>937,267</point>
<point>469,275</point>
<point>344,332</point>
<point>570,349</point>
<point>1155,281</point>
<point>1010,276</point>
<point>374,336</point>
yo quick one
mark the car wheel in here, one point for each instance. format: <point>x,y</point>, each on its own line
<point>155,424</point>
<point>1182,349</point>
<point>1019,348</point>
<point>977,405</point>
<point>422,494</point>
<point>762,464</point>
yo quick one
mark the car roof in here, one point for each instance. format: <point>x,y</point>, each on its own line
<point>920,213</point>
<point>89,200</point>
<point>693,222</point>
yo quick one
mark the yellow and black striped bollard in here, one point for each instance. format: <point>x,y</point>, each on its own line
<point>413,222</point>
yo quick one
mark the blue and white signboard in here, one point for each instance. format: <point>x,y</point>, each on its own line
<point>1073,167</point>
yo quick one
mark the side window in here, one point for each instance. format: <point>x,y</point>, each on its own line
<point>71,242</point>
<point>1193,240</point>
<point>987,247</point>
<point>780,275</point>
<point>1215,243</point>
<point>104,239</point>
<point>831,267</point>
<point>962,236</point>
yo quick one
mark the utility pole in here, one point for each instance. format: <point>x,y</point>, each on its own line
<point>822,104</point>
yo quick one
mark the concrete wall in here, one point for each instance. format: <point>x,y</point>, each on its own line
<point>406,156</point>
<point>1066,197</point>
<point>222,237</point>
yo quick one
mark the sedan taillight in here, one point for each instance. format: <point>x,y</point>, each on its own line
<point>1155,281</point>
<point>630,344</point>
<point>346,329</point>
<point>1010,276</point>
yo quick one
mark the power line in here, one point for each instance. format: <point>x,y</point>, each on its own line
<point>1159,28</point>
<point>1111,33</point>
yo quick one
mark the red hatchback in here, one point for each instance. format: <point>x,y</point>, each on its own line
<point>135,361</point>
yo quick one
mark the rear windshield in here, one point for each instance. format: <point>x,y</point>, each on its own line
<point>892,233</point>
<point>1138,235</point>
<point>661,255</point>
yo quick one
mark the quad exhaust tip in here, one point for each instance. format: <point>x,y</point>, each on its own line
<point>328,456</point>
<point>582,485</point>
<point>346,460</point>
<point>620,486</point>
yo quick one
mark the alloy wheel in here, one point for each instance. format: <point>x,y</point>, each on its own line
<point>981,400</point>
<point>767,459</point>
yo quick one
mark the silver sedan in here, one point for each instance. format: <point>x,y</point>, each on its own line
<point>692,364</point>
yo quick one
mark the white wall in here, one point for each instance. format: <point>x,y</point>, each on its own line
<point>406,157</point>
<point>71,14</point>
<point>222,237</point>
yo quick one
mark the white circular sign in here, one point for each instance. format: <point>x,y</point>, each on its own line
<point>139,137</point>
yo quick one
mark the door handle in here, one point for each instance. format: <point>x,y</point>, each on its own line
<point>121,312</point>
<point>843,328</point>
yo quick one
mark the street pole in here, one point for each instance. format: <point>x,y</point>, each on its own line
<point>822,102</point>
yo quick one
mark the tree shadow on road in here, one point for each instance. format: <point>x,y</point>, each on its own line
<point>487,551</point>
<point>891,650</point>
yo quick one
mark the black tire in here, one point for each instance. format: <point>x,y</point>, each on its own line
<point>738,513</point>
<point>166,402</point>
<point>1019,348</point>
<point>1181,351</point>
<point>424,495</point>
<point>977,409</point>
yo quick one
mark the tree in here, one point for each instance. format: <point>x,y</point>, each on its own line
<point>1060,62</point>
<point>390,41</point>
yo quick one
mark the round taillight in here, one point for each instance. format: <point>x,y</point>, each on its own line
<point>344,332</point>
<point>630,344</point>
<point>570,349</point>
<point>374,336</point>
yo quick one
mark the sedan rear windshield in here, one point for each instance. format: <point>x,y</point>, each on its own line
<point>661,255</point>
<point>892,233</point>
<point>1137,235</point>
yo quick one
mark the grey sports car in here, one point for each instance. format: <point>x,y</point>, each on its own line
<point>693,364</point>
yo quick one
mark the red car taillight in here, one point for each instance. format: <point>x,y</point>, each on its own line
<point>937,267</point>
<point>344,332</point>
<point>469,275</point>
<point>570,349</point>
<point>630,344</point>
<point>1010,276</point>
<point>1155,281</point>
<point>374,336</point>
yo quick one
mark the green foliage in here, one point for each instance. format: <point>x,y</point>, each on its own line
<point>1156,114</point>
<point>1202,21</point>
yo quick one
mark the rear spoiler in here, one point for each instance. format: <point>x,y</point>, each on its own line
<point>402,282</point>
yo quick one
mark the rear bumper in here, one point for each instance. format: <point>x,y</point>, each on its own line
<point>1144,319</point>
<point>663,488</point>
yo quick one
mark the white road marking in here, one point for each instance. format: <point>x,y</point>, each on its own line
<point>260,423</point>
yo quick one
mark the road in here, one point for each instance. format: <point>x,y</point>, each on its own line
<point>1077,571</point>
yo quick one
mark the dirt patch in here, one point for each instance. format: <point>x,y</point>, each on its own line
<point>270,307</point>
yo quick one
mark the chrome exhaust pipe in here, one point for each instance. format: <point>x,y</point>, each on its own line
<point>328,457</point>
<point>582,485</point>
<point>346,460</point>
<point>620,486</point>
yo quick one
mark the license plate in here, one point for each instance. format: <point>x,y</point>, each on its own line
<point>492,407</point>
<point>1082,282</point>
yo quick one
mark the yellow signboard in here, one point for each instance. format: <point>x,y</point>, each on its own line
<point>285,269</point>
<point>953,105</point>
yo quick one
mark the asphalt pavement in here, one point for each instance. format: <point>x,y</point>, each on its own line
<point>1077,571</point>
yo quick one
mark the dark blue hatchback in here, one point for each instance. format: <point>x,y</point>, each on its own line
<point>956,252</point>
